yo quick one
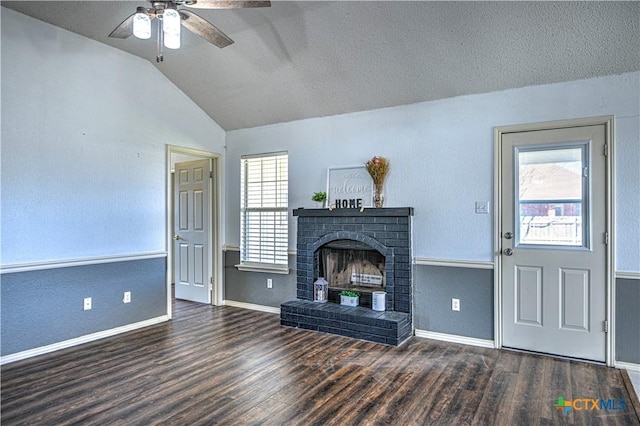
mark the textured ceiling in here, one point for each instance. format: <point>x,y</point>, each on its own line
<point>297,60</point>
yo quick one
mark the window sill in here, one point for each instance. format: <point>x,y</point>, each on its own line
<point>263,268</point>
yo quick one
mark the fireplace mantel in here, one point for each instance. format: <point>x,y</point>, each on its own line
<point>383,212</point>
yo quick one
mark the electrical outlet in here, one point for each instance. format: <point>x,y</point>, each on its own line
<point>455,304</point>
<point>269,283</point>
<point>127,297</point>
<point>87,303</point>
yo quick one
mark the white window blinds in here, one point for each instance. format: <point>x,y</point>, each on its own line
<point>264,209</point>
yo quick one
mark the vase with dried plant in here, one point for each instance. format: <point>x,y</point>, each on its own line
<point>378,167</point>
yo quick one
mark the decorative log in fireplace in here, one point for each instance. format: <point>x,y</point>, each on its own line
<point>364,251</point>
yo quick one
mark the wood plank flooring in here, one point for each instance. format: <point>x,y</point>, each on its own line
<point>225,365</point>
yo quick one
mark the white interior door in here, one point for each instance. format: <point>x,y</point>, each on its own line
<point>193,264</point>
<point>553,219</point>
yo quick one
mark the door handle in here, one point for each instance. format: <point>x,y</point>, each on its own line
<point>508,235</point>
<point>176,237</point>
<point>507,252</point>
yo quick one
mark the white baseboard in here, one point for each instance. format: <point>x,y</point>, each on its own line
<point>472,341</point>
<point>626,366</point>
<point>80,340</point>
<point>253,307</point>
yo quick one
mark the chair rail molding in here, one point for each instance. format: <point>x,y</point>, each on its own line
<point>65,263</point>
<point>454,263</point>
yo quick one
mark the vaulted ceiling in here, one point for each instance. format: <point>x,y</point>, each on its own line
<point>305,59</point>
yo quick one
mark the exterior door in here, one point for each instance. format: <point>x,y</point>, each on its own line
<point>553,238</point>
<point>192,206</point>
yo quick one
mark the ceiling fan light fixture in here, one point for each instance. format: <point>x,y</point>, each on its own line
<point>171,27</point>
<point>171,20</point>
<point>142,24</point>
<point>172,40</point>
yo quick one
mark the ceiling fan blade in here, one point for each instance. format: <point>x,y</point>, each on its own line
<point>124,30</point>
<point>204,29</point>
<point>225,4</point>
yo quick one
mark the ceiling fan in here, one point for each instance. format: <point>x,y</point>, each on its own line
<point>170,18</point>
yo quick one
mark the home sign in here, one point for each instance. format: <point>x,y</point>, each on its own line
<point>349,187</point>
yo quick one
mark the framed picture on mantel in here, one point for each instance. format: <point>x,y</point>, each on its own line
<point>349,187</point>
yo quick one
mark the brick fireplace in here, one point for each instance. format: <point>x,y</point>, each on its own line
<point>331,244</point>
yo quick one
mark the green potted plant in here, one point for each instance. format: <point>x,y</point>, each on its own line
<point>349,298</point>
<point>320,197</point>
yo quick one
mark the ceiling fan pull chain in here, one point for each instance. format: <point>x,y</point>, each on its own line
<point>159,57</point>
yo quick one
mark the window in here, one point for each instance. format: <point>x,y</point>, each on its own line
<point>553,193</point>
<point>264,228</point>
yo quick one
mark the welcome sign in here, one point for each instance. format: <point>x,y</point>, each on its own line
<point>349,187</point>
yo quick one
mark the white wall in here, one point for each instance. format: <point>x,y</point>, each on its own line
<point>441,157</point>
<point>84,134</point>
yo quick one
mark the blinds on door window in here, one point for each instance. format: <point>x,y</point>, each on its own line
<point>264,206</point>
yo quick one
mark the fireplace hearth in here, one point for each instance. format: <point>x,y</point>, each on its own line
<point>362,251</point>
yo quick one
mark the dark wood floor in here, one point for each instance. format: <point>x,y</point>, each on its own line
<point>224,365</point>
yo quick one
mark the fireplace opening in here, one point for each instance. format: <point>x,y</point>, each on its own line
<point>352,265</point>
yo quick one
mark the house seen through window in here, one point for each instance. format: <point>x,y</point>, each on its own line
<point>553,189</point>
<point>264,224</point>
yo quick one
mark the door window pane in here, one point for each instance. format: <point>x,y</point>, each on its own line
<point>551,203</point>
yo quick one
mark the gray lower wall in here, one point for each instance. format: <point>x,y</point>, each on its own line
<point>435,286</point>
<point>251,287</point>
<point>43,307</point>
<point>628,320</point>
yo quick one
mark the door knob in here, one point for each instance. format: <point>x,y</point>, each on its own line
<point>176,237</point>
<point>507,252</point>
<point>508,235</point>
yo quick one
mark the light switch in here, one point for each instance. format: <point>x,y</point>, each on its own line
<point>482,207</point>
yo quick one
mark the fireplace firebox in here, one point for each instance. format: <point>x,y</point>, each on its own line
<point>364,251</point>
<point>351,265</point>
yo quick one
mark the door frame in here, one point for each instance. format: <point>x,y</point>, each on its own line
<point>608,122</point>
<point>215,221</point>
